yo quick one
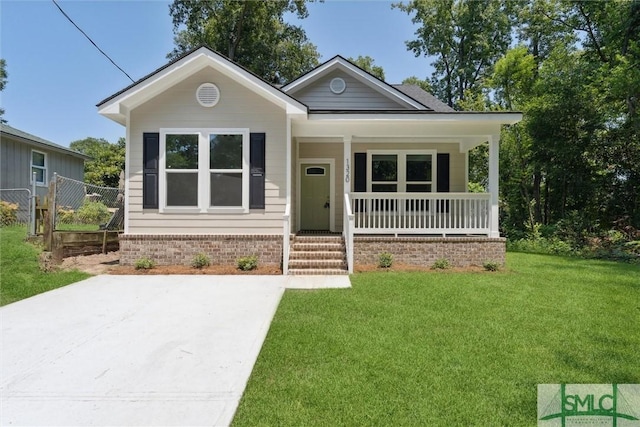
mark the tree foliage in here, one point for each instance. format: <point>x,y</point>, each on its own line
<point>367,64</point>
<point>463,37</point>
<point>572,166</point>
<point>422,83</point>
<point>107,160</point>
<point>252,33</point>
<point>3,83</point>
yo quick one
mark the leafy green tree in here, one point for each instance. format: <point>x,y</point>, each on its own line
<point>464,37</point>
<point>107,160</point>
<point>252,33</point>
<point>367,64</point>
<point>3,83</point>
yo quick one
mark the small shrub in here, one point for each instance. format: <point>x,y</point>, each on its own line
<point>8,213</point>
<point>441,264</point>
<point>385,260</point>
<point>144,263</point>
<point>491,266</point>
<point>248,263</point>
<point>93,213</point>
<point>65,215</point>
<point>200,260</point>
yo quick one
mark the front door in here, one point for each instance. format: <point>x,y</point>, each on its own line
<point>315,196</point>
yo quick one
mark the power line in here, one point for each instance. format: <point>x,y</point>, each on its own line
<point>92,42</point>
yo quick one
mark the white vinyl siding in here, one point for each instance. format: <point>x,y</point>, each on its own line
<point>356,96</point>
<point>238,108</point>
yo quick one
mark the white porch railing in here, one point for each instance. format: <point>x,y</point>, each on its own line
<point>286,232</point>
<point>348,230</point>
<point>420,213</point>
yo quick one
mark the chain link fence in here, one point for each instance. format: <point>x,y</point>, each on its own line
<point>79,206</point>
<point>15,207</point>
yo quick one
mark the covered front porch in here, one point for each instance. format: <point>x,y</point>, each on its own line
<point>392,175</point>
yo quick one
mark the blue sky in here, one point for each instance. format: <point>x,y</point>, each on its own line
<point>56,76</point>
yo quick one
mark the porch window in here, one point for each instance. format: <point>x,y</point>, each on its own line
<point>39,166</point>
<point>204,170</point>
<point>402,171</point>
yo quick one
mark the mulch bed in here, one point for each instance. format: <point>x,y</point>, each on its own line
<point>185,269</point>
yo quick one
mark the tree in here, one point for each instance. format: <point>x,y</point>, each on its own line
<point>251,33</point>
<point>107,160</point>
<point>465,38</point>
<point>3,83</point>
<point>367,64</point>
<point>413,80</point>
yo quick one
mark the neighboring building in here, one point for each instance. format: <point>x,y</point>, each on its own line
<point>21,154</point>
<point>220,161</point>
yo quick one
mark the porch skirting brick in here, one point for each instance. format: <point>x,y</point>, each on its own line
<point>424,251</point>
<point>179,249</point>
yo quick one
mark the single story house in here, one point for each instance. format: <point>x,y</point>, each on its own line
<point>319,175</point>
<point>22,154</point>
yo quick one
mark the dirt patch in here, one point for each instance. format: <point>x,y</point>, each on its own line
<point>109,264</point>
<point>92,264</point>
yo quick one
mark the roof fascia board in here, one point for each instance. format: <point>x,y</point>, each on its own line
<point>190,64</point>
<point>499,118</point>
<point>42,145</point>
<point>372,81</point>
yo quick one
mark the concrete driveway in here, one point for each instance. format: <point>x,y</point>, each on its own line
<point>134,350</point>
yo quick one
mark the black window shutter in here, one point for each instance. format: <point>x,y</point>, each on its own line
<point>257,170</point>
<point>360,172</point>
<point>443,173</point>
<point>150,159</point>
<point>442,185</point>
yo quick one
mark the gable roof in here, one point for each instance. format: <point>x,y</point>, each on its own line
<point>116,106</point>
<point>425,98</point>
<point>338,62</point>
<point>36,140</point>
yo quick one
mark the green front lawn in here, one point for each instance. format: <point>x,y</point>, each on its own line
<point>443,348</point>
<point>20,275</point>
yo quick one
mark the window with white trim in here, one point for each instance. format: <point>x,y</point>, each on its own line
<point>401,171</point>
<point>39,166</point>
<point>204,170</point>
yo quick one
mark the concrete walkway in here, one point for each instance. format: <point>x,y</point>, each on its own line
<point>138,350</point>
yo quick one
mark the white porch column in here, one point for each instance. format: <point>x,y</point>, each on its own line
<point>493,185</point>
<point>347,163</point>
<point>346,176</point>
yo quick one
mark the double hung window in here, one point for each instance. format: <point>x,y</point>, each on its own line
<point>404,171</point>
<point>204,170</point>
<point>39,166</point>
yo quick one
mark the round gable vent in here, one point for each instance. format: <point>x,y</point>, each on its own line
<point>208,94</point>
<point>337,85</point>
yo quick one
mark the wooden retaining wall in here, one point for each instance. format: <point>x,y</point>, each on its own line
<point>72,243</point>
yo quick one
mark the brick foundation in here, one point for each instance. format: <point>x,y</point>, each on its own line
<point>423,251</point>
<point>174,249</point>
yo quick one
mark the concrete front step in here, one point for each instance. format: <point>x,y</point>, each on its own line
<point>317,271</point>
<point>317,255</point>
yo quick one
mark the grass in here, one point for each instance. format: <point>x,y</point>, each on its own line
<point>20,275</point>
<point>444,348</point>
